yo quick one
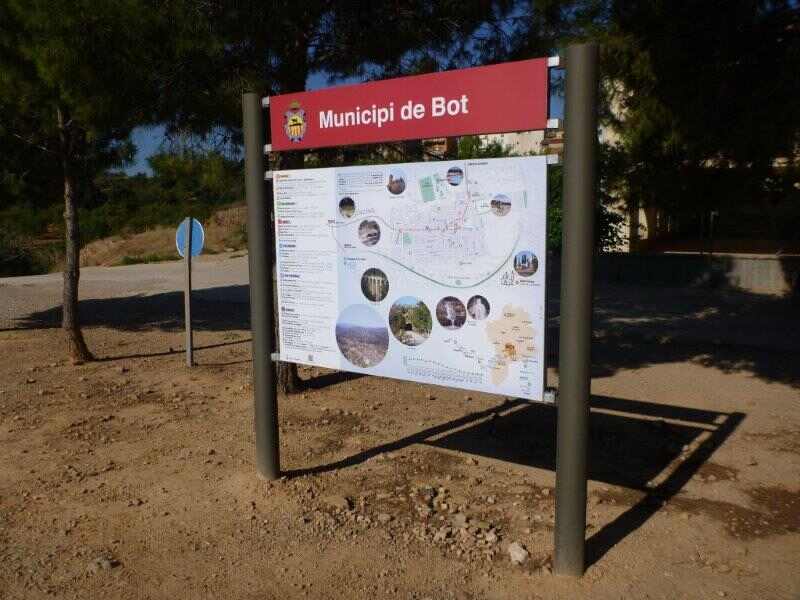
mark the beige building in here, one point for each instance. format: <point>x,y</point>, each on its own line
<point>525,142</point>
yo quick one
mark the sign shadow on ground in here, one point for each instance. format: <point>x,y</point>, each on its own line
<point>650,448</point>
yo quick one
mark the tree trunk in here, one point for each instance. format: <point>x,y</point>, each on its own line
<point>76,346</point>
<point>289,381</point>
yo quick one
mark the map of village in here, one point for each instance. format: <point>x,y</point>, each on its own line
<point>512,337</point>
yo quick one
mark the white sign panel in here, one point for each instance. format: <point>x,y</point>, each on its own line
<point>431,272</point>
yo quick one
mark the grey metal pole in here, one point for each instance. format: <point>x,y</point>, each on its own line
<point>261,299</point>
<point>574,367</point>
<point>187,292</point>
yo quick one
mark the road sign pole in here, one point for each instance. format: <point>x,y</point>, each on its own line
<point>187,292</point>
<point>576,308</point>
<point>261,298</point>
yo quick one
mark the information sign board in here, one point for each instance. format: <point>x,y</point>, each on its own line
<point>431,272</point>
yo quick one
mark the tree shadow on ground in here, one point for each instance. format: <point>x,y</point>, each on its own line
<point>324,380</point>
<point>181,351</point>
<point>734,331</point>
<point>213,309</point>
<point>651,448</point>
<point>634,326</point>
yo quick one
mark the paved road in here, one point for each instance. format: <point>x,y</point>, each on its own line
<point>665,315</point>
<point>223,277</point>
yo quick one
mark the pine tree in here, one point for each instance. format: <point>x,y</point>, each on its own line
<point>75,77</point>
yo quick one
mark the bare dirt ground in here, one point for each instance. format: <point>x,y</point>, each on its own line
<point>133,476</point>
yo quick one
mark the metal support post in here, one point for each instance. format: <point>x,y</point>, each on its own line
<point>261,298</point>
<point>576,308</point>
<point>187,292</point>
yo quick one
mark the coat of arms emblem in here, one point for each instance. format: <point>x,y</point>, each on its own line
<point>294,122</point>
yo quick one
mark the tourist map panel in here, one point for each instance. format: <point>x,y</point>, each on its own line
<point>431,272</point>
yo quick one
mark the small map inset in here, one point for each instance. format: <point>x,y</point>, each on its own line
<point>512,336</point>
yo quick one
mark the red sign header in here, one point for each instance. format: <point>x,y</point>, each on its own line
<point>506,97</point>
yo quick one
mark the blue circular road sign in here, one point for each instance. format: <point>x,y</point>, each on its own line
<point>198,237</point>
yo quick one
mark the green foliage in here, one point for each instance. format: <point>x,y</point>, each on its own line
<point>26,220</point>
<point>76,76</point>
<point>192,183</point>
<point>147,258</point>
<point>223,49</point>
<point>28,177</point>
<point>417,315</point>
<point>472,146</point>
<point>555,192</point>
<point>396,321</point>
<point>608,222</point>
<point>421,319</point>
<point>188,184</point>
<point>701,95</point>
<point>96,62</point>
<point>704,104</point>
<point>17,257</point>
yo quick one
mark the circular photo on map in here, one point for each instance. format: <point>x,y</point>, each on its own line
<point>362,336</point>
<point>347,207</point>
<point>526,263</point>
<point>374,284</point>
<point>501,205</point>
<point>410,321</point>
<point>478,308</point>
<point>450,312</point>
<point>397,181</point>
<point>455,176</point>
<point>369,232</point>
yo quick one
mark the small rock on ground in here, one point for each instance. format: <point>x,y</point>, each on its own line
<point>517,553</point>
<point>102,564</point>
<point>339,502</point>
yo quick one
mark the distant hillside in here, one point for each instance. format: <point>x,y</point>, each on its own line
<point>225,230</point>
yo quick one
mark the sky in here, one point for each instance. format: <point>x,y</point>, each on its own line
<point>148,140</point>
<point>361,315</point>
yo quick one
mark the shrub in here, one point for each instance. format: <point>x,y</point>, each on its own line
<point>147,258</point>
<point>18,258</point>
